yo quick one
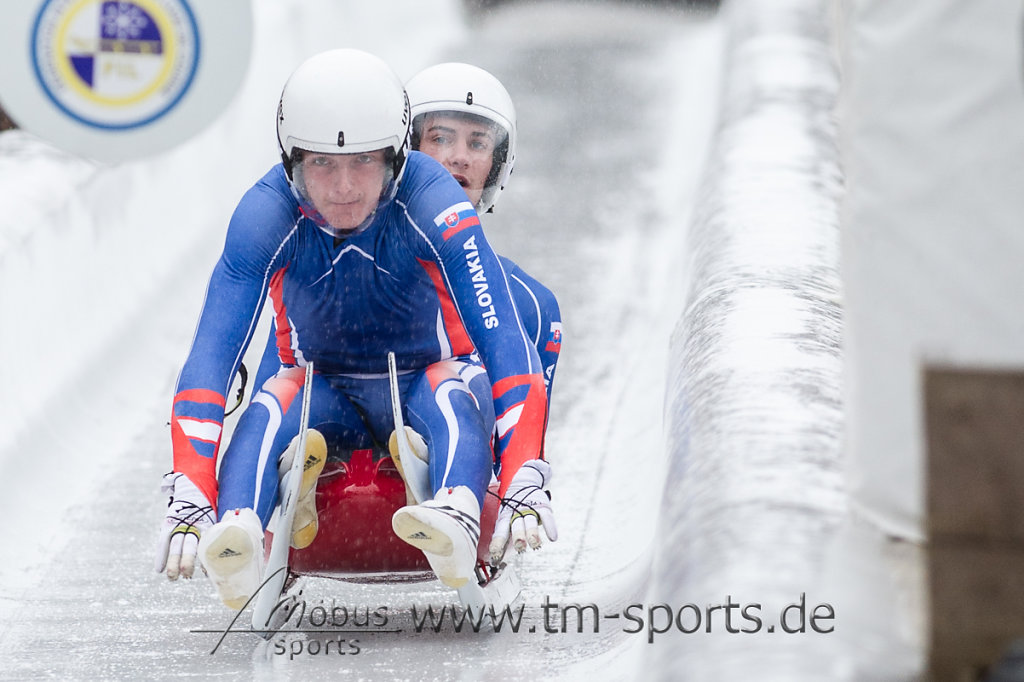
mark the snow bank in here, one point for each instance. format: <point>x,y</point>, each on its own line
<point>754,486</point>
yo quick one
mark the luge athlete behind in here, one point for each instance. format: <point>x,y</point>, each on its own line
<point>463,117</point>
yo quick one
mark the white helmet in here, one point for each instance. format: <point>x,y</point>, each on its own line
<point>470,90</point>
<point>344,102</point>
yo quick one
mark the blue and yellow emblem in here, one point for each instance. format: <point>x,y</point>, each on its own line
<point>115,64</point>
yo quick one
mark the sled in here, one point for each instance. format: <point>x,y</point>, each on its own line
<point>357,493</point>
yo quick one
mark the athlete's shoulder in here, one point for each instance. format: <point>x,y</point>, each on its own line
<point>262,221</point>
<point>516,274</point>
<point>271,193</point>
<point>275,181</point>
<point>428,190</point>
<point>266,207</point>
<point>433,201</point>
<point>508,265</point>
<point>421,169</point>
<point>520,279</point>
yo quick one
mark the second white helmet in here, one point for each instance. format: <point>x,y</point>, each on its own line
<point>344,101</point>
<point>470,90</point>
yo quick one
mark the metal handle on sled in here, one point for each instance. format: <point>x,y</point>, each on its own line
<point>414,470</point>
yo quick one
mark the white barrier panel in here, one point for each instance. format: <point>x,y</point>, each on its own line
<point>933,149</point>
<point>119,80</point>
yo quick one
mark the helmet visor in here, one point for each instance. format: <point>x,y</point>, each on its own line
<point>345,189</point>
<point>471,147</point>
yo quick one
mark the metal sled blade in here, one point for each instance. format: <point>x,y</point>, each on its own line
<point>277,563</point>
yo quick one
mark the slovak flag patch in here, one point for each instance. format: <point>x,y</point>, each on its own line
<point>456,219</point>
<point>555,340</point>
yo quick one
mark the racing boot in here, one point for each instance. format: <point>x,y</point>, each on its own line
<point>447,530</point>
<point>305,525</point>
<point>231,551</point>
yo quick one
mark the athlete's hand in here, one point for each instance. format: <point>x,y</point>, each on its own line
<point>189,513</point>
<point>525,507</point>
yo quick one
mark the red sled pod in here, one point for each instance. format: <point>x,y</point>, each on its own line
<point>357,494</point>
<point>355,500</point>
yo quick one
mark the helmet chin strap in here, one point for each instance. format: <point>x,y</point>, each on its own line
<point>311,213</point>
<point>345,234</point>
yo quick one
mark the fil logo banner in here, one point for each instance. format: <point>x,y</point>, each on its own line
<point>112,64</point>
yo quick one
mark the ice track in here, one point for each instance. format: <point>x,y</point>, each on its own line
<point>616,108</point>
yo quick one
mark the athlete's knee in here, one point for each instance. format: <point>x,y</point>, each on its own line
<point>438,373</point>
<point>283,387</point>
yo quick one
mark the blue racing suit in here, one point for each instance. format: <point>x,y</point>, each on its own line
<point>420,280</point>
<point>537,307</point>
<point>538,310</point>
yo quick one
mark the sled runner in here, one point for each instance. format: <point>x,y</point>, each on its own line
<point>357,494</point>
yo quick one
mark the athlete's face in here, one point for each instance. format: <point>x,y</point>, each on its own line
<point>464,146</point>
<point>344,188</point>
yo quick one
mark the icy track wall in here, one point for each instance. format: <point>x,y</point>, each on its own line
<point>754,486</point>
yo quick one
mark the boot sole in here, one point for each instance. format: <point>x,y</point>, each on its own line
<point>435,544</point>
<point>316,457</point>
<point>421,534</point>
<point>229,554</point>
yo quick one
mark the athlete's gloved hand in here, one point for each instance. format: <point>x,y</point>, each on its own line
<point>525,507</point>
<point>189,513</point>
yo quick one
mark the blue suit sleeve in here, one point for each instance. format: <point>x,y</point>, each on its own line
<point>453,237</point>
<point>542,320</point>
<point>270,361</point>
<point>258,229</point>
